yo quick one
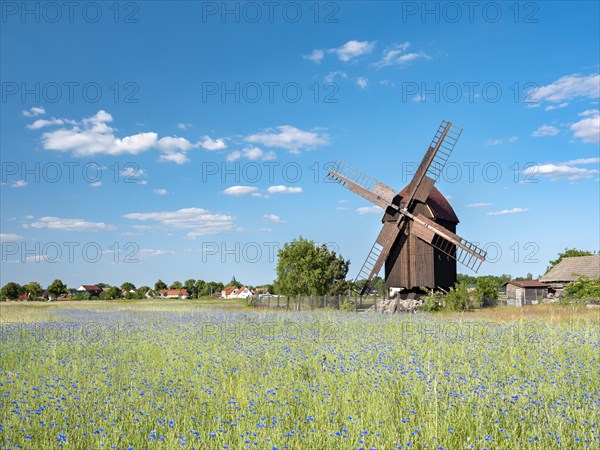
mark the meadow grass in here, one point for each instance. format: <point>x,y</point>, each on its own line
<point>151,375</point>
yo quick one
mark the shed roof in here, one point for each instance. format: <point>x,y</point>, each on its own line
<point>567,269</point>
<point>440,207</point>
<point>525,283</point>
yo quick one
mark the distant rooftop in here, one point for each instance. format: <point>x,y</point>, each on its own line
<point>569,269</point>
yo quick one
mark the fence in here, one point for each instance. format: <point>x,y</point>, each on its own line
<point>312,302</point>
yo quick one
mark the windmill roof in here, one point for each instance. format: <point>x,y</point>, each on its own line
<point>440,207</point>
<point>568,267</point>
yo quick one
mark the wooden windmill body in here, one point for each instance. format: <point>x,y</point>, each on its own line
<point>418,241</point>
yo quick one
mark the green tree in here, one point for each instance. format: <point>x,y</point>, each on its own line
<point>190,286</point>
<point>127,286</point>
<point>199,287</point>
<point>11,291</point>
<point>234,282</point>
<point>57,288</point>
<point>459,299</point>
<point>304,268</point>
<point>212,287</point>
<point>176,285</point>
<point>583,289</point>
<point>111,294</point>
<point>159,286</point>
<point>566,254</point>
<point>103,285</point>
<point>142,291</point>
<point>486,291</point>
<point>34,289</point>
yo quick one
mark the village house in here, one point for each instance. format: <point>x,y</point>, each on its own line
<point>568,270</point>
<point>174,293</point>
<point>91,289</point>
<point>235,292</point>
<point>525,292</point>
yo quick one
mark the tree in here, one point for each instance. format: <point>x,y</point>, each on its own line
<point>486,291</point>
<point>304,268</point>
<point>159,286</point>
<point>190,286</point>
<point>33,288</point>
<point>176,285</point>
<point>458,298</point>
<point>199,287</point>
<point>57,288</point>
<point>566,254</point>
<point>234,282</point>
<point>211,287</point>
<point>103,285</point>
<point>11,291</point>
<point>142,291</point>
<point>110,294</point>
<point>583,289</point>
<point>127,286</point>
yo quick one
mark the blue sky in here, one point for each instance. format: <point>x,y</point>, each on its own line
<point>190,139</point>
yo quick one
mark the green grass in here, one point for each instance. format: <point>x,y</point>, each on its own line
<point>158,374</point>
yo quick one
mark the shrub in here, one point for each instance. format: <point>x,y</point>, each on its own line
<point>459,299</point>
<point>347,306</point>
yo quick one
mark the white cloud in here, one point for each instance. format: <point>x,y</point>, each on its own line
<point>362,82</point>
<point>238,191</point>
<point>93,136</point>
<point>316,56</point>
<point>272,218</point>
<point>493,142</point>
<point>96,184</point>
<point>561,170</point>
<point>545,130</point>
<point>397,55</point>
<point>569,87</point>
<point>196,221</point>
<point>559,106</point>
<point>35,111</point>
<point>588,129</point>
<point>583,161</point>
<point>478,205</point>
<point>513,139</point>
<point>280,189</point>
<point>505,212</point>
<point>330,77</point>
<point>57,223</point>
<point>213,144</point>
<point>148,252</point>
<point>19,184</point>
<point>177,158</point>
<point>160,191</point>
<point>184,126</point>
<point>10,237</point>
<point>289,137</point>
<point>352,49</point>
<point>369,210</point>
<point>251,153</point>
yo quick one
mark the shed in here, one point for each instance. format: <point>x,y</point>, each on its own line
<point>568,270</point>
<point>525,292</point>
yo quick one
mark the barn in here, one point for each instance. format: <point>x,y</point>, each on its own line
<point>568,270</point>
<point>525,292</point>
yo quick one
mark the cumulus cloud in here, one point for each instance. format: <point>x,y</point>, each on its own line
<point>10,237</point>
<point>272,218</point>
<point>564,170</point>
<point>331,76</point>
<point>352,49</point>
<point>64,224</point>
<point>289,138</point>
<point>251,153</point>
<point>369,210</point>
<point>280,189</point>
<point>545,130</point>
<point>569,88</point>
<point>588,129</point>
<point>19,184</point>
<point>160,191</point>
<point>35,111</point>
<point>316,56</point>
<point>505,212</point>
<point>398,55</point>
<point>238,191</point>
<point>196,221</point>
<point>94,136</point>
<point>362,82</point>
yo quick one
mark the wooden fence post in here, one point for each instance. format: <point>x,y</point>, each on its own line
<point>288,302</point>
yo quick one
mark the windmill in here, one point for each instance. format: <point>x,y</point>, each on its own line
<point>417,242</point>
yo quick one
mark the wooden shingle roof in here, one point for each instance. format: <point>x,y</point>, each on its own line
<point>569,269</point>
<point>440,207</point>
